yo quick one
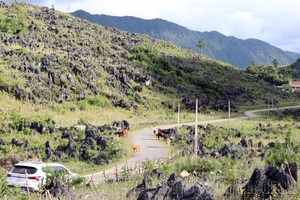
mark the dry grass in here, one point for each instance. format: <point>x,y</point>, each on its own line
<point>65,114</point>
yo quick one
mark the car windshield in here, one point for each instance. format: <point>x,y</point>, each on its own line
<point>23,170</point>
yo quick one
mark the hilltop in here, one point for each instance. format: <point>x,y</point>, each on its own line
<point>49,56</point>
<point>238,52</point>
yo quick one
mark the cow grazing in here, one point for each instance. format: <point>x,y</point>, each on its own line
<point>124,133</point>
<point>137,150</point>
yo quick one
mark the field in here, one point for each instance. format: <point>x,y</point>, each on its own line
<point>220,172</point>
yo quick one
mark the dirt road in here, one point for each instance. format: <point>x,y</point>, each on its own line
<point>151,149</point>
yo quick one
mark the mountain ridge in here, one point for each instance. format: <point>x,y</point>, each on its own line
<point>238,52</point>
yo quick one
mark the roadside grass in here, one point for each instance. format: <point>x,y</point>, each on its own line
<point>68,113</point>
<point>229,170</point>
<point>118,190</point>
<point>263,105</point>
<point>232,171</point>
<point>220,173</point>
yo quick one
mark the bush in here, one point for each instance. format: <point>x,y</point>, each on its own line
<point>196,164</point>
<point>125,173</point>
<point>83,121</point>
<point>83,105</point>
<point>6,192</point>
<point>148,165</point>
<point>11,26</point>
<point>98,100</point>
<point>283,152</point>
<point>78,181</point>
<point>21,51</point>
<point>16,119</point>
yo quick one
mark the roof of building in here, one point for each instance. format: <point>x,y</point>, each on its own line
<point>295,83</point>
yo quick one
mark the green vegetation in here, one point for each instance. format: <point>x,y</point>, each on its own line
<point>271,74</point>
<point>226,168</point>
<point>275,63</point>
<point>202,45</point>
<point>11,26</point>
<point>116,69</point>
<point>237,52</point>
<point>296,69</point>
<point>151,61</point>
<point>74,72</point>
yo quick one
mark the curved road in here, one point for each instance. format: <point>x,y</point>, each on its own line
<point>151,149</point>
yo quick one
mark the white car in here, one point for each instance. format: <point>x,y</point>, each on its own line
<point>31,175</point>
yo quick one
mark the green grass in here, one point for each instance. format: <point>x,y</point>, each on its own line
<point>231,169</point>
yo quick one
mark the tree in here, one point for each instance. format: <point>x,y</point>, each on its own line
<point>287,87</point>
<point>253,69</point>
<point>202,45</point>
<point>275,62</point>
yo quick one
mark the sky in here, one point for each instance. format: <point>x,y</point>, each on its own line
<point>276,22</point>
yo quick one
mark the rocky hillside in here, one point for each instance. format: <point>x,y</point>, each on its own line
<point>240,53</point>
<point>46,55</point>
<point>296,69</point>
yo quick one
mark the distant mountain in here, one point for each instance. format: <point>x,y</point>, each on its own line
<point>240,53</point>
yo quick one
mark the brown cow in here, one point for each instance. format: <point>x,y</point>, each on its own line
<point>137,150</point>
<point>124,133</point>
<point>160,134</point>
<point>168,141</point>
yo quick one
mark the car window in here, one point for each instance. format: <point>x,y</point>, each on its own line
<point>60,169</point>
<point>23,170</point>
<point>55,168</point>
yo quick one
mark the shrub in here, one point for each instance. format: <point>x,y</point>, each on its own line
<point>98,100</point>
<point>11,26</point>
<point>6,192</point>
<point>15,119</point>
<point>83,105</point>
<point>78,181</point>
<point>283,152</point>
<point>196,164</point>
<point>21,51</point>
<point>148,165</point>
<point>125,173</point>
<point>83,121</point>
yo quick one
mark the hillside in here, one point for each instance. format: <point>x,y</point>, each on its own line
<point>240,53</point>
<point>65,67</point>
<point>48,56</point>
<point>296,70</point>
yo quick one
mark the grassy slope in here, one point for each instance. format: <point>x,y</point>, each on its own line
<point>175,72</point>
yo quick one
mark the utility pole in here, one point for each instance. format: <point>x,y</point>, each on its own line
<point>272,104</point>
<point>196,131</point>
<point>268,108</point>
<point>178,111</point>
<point>228,111</point>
